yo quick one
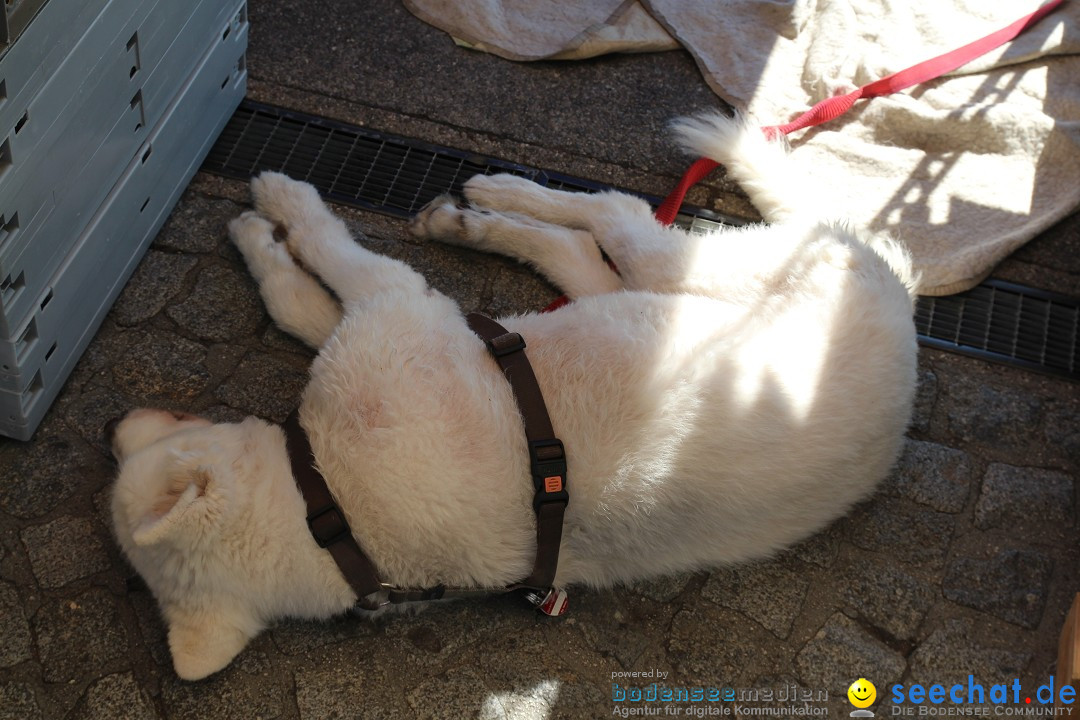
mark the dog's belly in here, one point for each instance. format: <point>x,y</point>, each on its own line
<point>702,433</point>
<point>698,432</point>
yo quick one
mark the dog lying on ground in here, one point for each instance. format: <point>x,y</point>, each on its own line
<point>720,398</point>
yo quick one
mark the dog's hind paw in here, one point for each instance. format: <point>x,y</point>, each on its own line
<point>441,219</point>
<point>502,192</point>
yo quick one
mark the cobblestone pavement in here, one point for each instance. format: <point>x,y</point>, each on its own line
<point>963,563</point>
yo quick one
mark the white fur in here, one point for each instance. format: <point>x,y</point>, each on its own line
<point>722,397</point>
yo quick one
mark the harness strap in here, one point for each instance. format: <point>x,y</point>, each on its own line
<point>547,458</point>
<point>325,520</point>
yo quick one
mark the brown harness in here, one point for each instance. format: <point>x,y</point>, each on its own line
<point>547,461</point>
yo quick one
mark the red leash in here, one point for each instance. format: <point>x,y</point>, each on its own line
<point>834,107</point>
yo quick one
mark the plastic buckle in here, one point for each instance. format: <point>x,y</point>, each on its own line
<point>377,600</point>
<point>327,525</point>
<point>547,461</point>
<point>553,603</point>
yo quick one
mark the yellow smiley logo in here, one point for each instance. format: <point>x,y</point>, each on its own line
<point>862,693</point>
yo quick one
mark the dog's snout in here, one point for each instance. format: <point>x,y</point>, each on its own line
<point>110,429</point>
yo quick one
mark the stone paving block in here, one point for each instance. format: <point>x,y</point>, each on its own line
<point>78,635</point>
<point>116,696</point>
<point>925,401</point>
<point>161,366</point>
<point>462,693</point>
<point>151,626</point>
<point>842,651</point>
<point>664,588</point>
<point>456,273</point>
<point>197,225</point>
<point>300,638</point>
<point>264,385</point>
<point>93,366</point>
<point>155,282</point>
<point>89,413</point>
<point>820,549</point>
<point>64,550</point>
<point>1013,496</point>
<point>889,598</point>
<point>426,642</point>
<point>1011,585</point>
<point>223,306</point>
<point>955,650</point>
<point>223,414</point>
<point>276,339</point>
<point>909,534</point>
<point>17,702</point>
<point>345,687</point>
<point>771,593</point>
<point>531,656</point>
<point>228,695</point>
<point>933,475</point>
<point>620,625</point>
<point>1063,429</point>
<point>39,476</point>
<point>1006,419</point>
<point>713,647</point>
<point>15,639</point>
<point>538,700</point>
<point>517,289</point>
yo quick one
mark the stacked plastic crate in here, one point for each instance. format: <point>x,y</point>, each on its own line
<point>107,108</point>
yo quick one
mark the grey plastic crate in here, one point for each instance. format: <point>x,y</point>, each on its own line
<point>27,65</point>
<point>17,14</point>
<point>71,151</point>
<point>107,252</point>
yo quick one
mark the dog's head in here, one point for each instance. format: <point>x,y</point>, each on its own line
<point>210,517</point>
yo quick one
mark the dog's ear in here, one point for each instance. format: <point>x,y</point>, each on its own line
<point>203,643</point>
<point>189,507</point>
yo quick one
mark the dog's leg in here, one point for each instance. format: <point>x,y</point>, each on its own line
<point>324,245</point>
<point>568,258</point>
<point>649,256</point>
<point>295,300</point>
<point>593,212</point>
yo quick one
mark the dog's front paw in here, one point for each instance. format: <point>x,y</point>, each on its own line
<point>253,235</point>
<point>286,202</point>
<point>441,219</point>
<point>502,192</point>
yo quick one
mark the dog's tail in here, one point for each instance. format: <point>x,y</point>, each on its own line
<point>760,166</point>
<point>774,182</point>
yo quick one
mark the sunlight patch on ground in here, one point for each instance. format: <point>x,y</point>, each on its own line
<point>535,703</point>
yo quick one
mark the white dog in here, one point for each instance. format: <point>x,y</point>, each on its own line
<point>720,398</point>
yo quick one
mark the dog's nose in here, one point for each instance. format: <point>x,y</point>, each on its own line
<point>110,429</point>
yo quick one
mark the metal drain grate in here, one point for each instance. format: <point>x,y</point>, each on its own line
<point>372,170</point>
<point>398,176</point>
<point>1005,322</point>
